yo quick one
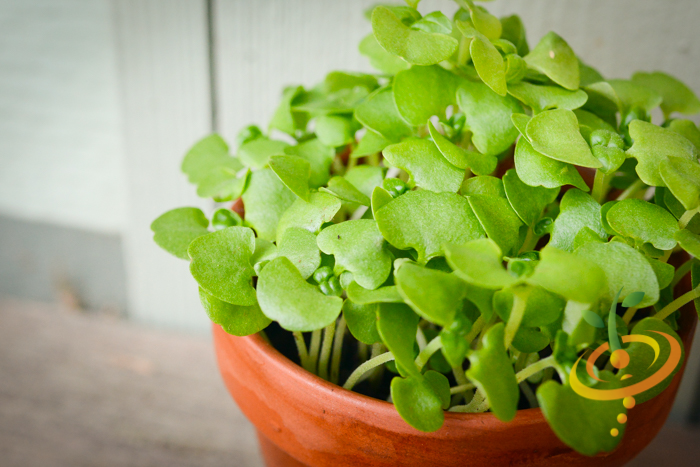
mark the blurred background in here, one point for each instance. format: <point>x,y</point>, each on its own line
<point>104,351</point>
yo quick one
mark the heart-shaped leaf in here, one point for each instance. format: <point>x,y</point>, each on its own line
<point>209,165</point>
<point>433,22</point>
<point>286,118</point>
<point>294,172</point>
<point>362,296</point>
<point>371,143</point>
<point>553,57</point>
<point>234,319</point>
<point>541,309</point>
<point>589,122</point>
<point>379,114</point>
<point>265,251</point>
<point>422,160</point>
<point>379,58</point>
<point>256,153</point>
<point>346,191</point>
<point>176,229</point>
<point>397,325</point>
<point>527,201</point>
<point>689,241</point>
<point>682,177</point>
<point>417,402</point>
<point>480,164</point>
<point>422,92</point>
<point>435,295</point>
<point>577,210</point>
<point>540,98</point>
<point>299,246</point>
<point>425,221</point>
<point>677,97</point>
<point>335,130</point>
<point>285,297</point>
<point>632,95</point>
<point>380,198</point>
<point>653,144</point>
<point>514,31</point>
<point>414,46</point>
<point>488,117</point>
<point>358,247</point>
<point>310,215</point>
<point>555,133</point>
<point>362,321</point>
<point>644,222</point>
<point>221,264</point>
<point>687,129</point>
<point>484,185</point>
<point>365,178</point>
<point>488,63</point>
<point>266,200</point>
<point>319,156</point>
<point>536,169</point>
<point>492,372</point>
<point>479,262</point>
<point>498,220</point>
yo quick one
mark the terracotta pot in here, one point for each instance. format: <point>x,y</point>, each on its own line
<point>303,420</point>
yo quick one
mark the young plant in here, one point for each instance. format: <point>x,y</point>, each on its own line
<point>439,211</point>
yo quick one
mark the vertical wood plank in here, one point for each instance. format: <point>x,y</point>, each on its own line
<point>163,52</point>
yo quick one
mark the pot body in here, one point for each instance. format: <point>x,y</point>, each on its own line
<point>303,420</point>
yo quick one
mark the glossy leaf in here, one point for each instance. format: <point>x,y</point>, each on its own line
<point>553,57</point>
<point>414,46</point>
<point>435,295</point>
<point>644,222</point>
<point>265,251</point>
<point>177,228</point>
<point>294,172</point>
<point>362,321</point>
<point>555,133</point>
<point>234,319</point>
<point>299,246</point>
<point>362,296</point>
<point>319,156</point>
<point>527,201</point>
<point>540,98</point>
<point>424,163</point>
<point>285,297</point>
<point>577,210</point>
<point>492,372</point>
<point>425,221</point>
<point>380,58</point>
<point>682,177</point>
<point>514,31</point>
<point>433,22</point>
<point>417,402</point>
<point>484,185</point>
<point>266,199</point>
<point>397,325</point>
<point>498,220</point>
<point>358,247</point>
<point>221,264</point>
<point>536,169</point>
<point>422,92</point>
<point>479,263</point>
<point>309,215</point>
<point>462,158</point>
<point>379,114</point>
<point>677,97</point>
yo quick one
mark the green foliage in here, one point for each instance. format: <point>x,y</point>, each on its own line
<point>424,163</point>
<point>176,229</point>
<point>234,319</point>
<point>553,57</point>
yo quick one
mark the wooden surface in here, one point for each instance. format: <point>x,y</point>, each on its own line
<point>81,390</point>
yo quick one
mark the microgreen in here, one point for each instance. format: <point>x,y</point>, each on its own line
<point>439,212</point>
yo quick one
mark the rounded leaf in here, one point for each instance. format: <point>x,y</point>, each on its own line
<point>554,58</point>
<point>234,319</point>
<point>435,295</point>
<point>417,403</point>
<point>555,133</point>
<point>424,163</point>
<point>644,222</point>
<point>176,229</point>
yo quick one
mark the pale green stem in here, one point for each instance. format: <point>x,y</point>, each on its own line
<point>376,374</point>
<point>362,351</point>
<point>463,53</point>
<point>631,190</point>
<point>478,404</point>
<point>365,367</point>
<point>301,348</point>
<point>461,388</point>
<point>530,241</point>
<point>516,316</point>
<point>536,367</point>
<point>529,395</point>
<point>629,314</point>
<point>314,349</point>
<point>337,350</point>
<point>476,329</point>
<point>420,339</point>
<point>686,217</point>
<point>601,186</point>
<point>681,272</point>
<point>328,335</point>
<point>428,352</point>
<point>678,303</point>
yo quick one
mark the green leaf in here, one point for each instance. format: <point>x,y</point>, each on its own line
<point>520,121</point>
<point>479,263</point>
<point>256,153</point>
<point>358,247</point>
<point>453,338</point>
<point>294,172</point>
<point>424,163</point>
<point>417,402</point>
<point>632,95</point>
<point>689,241</point>
<point>176,229</point>
<point>553,57</point>
<point>527,201</point>
<point>299,246</point>
<point>571,276</point>
<point>365,178</point>
<point>652,144</point>
<point>422,92</point>
<point>577,210</point>
<point>589,75</point>
<point>234,319</point>
<point>380,198</point>
<point>664,271</point>
<point>480,164</point>
<point>488,117</point>
<point>536,169</point>
<point>498,220</point>
<point>311,215</point>
<point>362,296</point>
<point>338,80</point>
<point>593,319</point>
<point>264,251</point>
<point>582,424</point>
<point>379,114</point>
<point>397,325</point>
<point>424,220</point>
<point>542,307</point>
<point>371,143</point>
<point>682,177</point>
<point>555,133</point>
<point>266,200</point>
<point>609,148</point>
<point>687,129</point>
<point>346,191</point>
<point>677,97</point>
<point>435,295</point>
<point>334,130</point>
<point>489,64</point>
<point>433,22</point>
<point>320,158</point>
<point>644,222</point>
<point>221,264</point>
<point>439,383</point>
<point>285,297</point>
<point>209,165</point>
<point>362,321</point>
<point>539,97</point>
<point>492,372</point>
<point>380,58</point>
<point>589,122</point>
<point>416,47</point>
<point>514,31</point>
<point>286,118</point>
<point>625,268</point>
<point>484,185</point>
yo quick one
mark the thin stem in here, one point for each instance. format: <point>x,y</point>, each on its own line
<point>461,388</point>
<point>362,351</point>
<point>328,335</point>
<point>629,314</point>
<point>476,329</point>
<point>376,374</point>
<point>681,272</point>
<point>428,351</point>
<point>365,367</point>
<point>463,53</point>
<point>530,241</point>
<point>601,186</point>
<point>687,216</point>
<point>314,349</point>
<point>301,348</point>
<point>420,339</point>
<point>529,395</point>
<point>516,314</point>
<point>536,367</point>
<point>477,404</point>
<point>678,303</point>
<point>337,349</point>
<point>631,190</point>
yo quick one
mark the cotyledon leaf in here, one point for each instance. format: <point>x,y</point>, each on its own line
<point>256,153</point>
<point>498,220</point>
<point>435,295</point>
<point>536,169</point>
<point>299,246</point>
<point>234,319</point>
<point>319,156</point>
<point>689,241</point>
<point>362,321</point>
<point>553,57</point>
<point>266,200</point>
<point>480,263</point>
<point>309,215</point>
<point>397,325</point>
<point>677,97</point>
<point>379,113</point>
<point>294,172</point>
<point>177,228</point>
<point>342,189</point>
<point>480,164</point>
<point>422,160</point>
<point>644,222</point>
<point>362,296</point>
<point>421,92</point>
<point>541,97</point>
<point>527,201</point>
<point>577,210</point>
<point>682,177</point>
<point>417,402</point>
<point>379,58</point>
